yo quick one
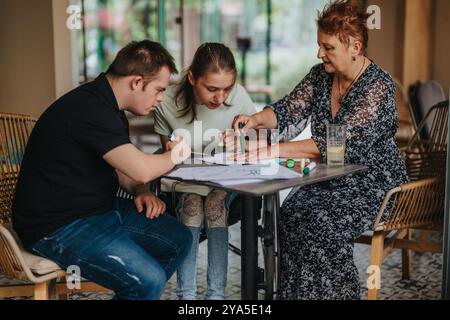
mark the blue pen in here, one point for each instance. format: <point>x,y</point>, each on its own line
<point>310,167</point>
<point>242,137</point>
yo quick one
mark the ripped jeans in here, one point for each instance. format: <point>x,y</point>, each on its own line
<point>121,250</point>
<point>211,211</point>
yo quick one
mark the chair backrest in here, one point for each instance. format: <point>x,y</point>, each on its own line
<point>406,118</point>
<point>413,205</point>
<point>15,130</point>
<point>428,95</point>
<point>427,157</point>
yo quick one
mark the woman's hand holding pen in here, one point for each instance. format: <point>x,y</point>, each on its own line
<point>241,125</point>
<point>249,122</point>
<point>232,142</point>
<point>265,119</point>
<point>257,154</point>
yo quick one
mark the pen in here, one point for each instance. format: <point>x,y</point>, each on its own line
<point>310,167</point>
<point>302,164</point>
<point>242,137</point>
<point>171,137</point>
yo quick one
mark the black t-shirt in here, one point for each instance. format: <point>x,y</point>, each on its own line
<point>63,175</point>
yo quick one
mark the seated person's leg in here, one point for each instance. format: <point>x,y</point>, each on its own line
<point>164,238</point>
<point>216,211</point>
<point>105,255</point>
<point>190,211</point>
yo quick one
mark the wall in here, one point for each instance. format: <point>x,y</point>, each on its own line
<point>386,45</point>
<point>35,56</point>
<point>418,49</point>
<point>27,78</point>
<point>441,54</point>
<point>65,64</point>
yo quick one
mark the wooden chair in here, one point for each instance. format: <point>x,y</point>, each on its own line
<point>37,277</point>
<point>415,205</point>
<point>426,156</point>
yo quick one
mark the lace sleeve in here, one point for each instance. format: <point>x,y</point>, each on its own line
<point>294,110</point>
<point>374,120</point>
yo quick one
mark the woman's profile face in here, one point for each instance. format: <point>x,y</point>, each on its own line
<point>335,55</point>
<point>213,88</point>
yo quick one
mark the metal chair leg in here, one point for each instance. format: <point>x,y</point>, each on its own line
<point>270,245</point>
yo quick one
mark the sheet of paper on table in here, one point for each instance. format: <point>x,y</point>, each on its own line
<point>235,174</point>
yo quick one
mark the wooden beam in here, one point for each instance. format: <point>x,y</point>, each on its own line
<point>86,286</point>
<point>418,246</point>
<point>19,290</point>
<point>417,60</point>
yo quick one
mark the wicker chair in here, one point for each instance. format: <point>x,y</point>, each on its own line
<point>415,205</point>
<point>37,277</point>
<point>427,157</point>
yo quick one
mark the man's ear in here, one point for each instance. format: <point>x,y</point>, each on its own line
<point>136,83</point>
<point>190,78</point>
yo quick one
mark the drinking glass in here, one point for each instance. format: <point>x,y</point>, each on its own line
<point>336,144</point>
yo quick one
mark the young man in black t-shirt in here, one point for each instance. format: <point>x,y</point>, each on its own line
<point>65,206</point>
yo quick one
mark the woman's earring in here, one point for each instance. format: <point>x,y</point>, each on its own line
<point>354,58</point>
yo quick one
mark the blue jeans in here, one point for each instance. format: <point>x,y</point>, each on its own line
<point>217,262</point>
<point>121,250</point>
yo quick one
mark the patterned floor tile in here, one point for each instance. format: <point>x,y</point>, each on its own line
<point>425,282</point>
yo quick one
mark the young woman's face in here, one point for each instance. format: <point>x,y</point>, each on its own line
<point>213,88</point>
<point>335,55</point>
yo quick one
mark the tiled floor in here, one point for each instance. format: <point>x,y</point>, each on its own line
<point>425,282</point>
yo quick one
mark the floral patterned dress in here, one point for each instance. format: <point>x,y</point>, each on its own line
<point>319,223</point>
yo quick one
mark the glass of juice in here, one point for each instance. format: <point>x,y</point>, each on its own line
<point>336,134</point>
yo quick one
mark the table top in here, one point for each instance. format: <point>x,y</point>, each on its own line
<point>320,174</point>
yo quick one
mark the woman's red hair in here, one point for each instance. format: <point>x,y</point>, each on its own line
<point>345,19</point>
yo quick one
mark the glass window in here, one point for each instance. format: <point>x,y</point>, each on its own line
<point>110,25</point>
<point>280,58</point>
<point>294,42</point>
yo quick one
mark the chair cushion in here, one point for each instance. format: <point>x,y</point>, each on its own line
<point>37,264</point>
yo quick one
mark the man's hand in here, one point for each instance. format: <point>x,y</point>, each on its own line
<point>179,149</point>
<point>145,199</point>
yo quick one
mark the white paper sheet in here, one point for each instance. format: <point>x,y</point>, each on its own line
<point>235,174</point>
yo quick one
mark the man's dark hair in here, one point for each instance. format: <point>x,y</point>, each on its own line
<point>144,58</point>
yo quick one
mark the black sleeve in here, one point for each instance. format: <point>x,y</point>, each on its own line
<point>98,128</point>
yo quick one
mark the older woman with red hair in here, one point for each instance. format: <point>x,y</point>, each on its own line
<point>319,223</point>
